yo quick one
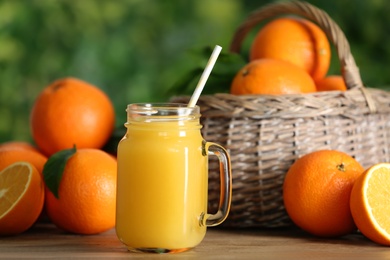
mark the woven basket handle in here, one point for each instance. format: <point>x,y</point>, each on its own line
<point>349,69</point>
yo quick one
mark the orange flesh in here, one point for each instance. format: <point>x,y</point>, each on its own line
<point>10,189</point>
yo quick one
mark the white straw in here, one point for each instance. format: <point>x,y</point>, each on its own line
<point>205,75</point>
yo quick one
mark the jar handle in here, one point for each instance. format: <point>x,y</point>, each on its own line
<point>225,184</point>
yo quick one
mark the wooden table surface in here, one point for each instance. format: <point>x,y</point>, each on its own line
<point>44,241</point>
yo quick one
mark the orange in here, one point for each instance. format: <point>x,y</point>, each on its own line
<point>269,76</point>
<point>329,83</point>
<point>298,41</point>
<point>12,154</point>
<point>71,112</point>
<point>21,197</point>
<point>316,192</point>
<point>18,144</point>
<point>370,205</point>
<point>87,194</point>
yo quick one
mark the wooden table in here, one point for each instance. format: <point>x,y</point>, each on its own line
<point>44,241</point>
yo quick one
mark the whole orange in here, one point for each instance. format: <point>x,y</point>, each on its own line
<point>270,76</point>
<point>71,112</point>
<point>12,154</point>
<point>18,144</point>
<point>298,41</point>
<point>86,195</point>
<point>316,192</point>
<point>332,82</point>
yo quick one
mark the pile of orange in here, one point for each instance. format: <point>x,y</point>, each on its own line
<point>328,194</point>
<point>68,113</point>
<point>287,56</point>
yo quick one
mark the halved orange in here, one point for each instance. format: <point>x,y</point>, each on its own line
<point>21,197</point>
<point>370,203</point>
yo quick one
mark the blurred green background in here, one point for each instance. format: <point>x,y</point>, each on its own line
<point>136,50</point>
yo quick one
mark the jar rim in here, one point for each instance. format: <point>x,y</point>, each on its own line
<point>161,109</point>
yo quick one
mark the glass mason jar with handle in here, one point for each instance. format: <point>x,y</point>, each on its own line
<point>163,179</point>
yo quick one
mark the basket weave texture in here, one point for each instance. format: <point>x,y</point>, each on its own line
<point>265,134</point>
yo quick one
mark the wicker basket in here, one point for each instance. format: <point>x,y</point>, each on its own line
<point>265,134</point>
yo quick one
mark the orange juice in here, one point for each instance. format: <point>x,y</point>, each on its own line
<point>162,181</point>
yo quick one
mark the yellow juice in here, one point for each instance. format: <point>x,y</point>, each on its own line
<point>162,185</point>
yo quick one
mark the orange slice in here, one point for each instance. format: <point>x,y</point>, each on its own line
<point>21,197</point>
<point>370,203</point>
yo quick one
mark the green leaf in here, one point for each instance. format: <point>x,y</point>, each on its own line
<point>54,169</point>
<point>227,66</point>
<point>185,84</point>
